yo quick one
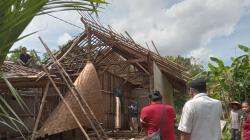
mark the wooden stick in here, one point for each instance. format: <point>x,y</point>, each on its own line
<point>129,36</point>
<point>64,101</point>
<point>155,47</point>
<point>70,87</point>
<point>142,68</point>
<point>147,46</point>
<point>72,46</point>
<point>40,111</point>
<point>74,91</point>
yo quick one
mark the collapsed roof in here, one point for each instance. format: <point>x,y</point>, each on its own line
<point>110,52</point>
<point>13,70</point>
<point>116,54</point>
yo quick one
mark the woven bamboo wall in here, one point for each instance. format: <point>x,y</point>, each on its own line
<point>29,97</point>
<point>89,87</point>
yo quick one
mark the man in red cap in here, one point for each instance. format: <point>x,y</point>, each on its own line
<point>158,117</point>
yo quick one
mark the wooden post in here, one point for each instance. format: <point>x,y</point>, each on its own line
<point>40,111</point>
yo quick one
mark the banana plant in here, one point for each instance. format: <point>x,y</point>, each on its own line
<point>241,67</point>
<point>229,82</point>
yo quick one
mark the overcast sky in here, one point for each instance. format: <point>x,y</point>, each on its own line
<point>198,28</point>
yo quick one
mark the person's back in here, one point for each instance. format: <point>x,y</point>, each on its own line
<point>151,119</point>
<point>206,119</point>
<point>200,118</point>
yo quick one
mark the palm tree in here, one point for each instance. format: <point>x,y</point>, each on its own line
<point>15,15</point>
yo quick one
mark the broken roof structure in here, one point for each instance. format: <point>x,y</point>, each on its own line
<point>13,70</point>
<point>117,54</point>
<point>21,76</point>
<point>121,64</point>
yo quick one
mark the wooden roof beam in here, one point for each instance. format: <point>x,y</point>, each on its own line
<point>131,61</point>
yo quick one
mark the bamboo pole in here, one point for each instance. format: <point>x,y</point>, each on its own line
<point>64,101</point>
<point>75,92</point>
<point>40,111</point>
<point>72,46</point>
<point>155,47</point>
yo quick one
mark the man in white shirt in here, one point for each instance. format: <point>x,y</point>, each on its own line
<point>200,118</point>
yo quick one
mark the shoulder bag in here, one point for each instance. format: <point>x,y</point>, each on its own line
<point>158,134</point>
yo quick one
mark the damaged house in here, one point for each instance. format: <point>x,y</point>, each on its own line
<point>107,69</point>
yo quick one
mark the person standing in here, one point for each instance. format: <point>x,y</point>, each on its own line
<point>246,120</point>
<point>24,57</point>
<point>133,109</point>
<point>235,115</point>
<point>158,117</point>
<point>200,118</point>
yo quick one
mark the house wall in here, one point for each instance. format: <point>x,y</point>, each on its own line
<point>113,86</point>
<point>27,116</point>
<point>162,84</point>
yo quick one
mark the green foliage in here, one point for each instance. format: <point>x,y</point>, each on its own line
<point>193,65</point>
<point>45,55</point>
<point>226,135</point>
<point>15,15</point>
<point>14,54</point>
<point>179,100</point>
<point>230,83</point>
<point>8,116</point>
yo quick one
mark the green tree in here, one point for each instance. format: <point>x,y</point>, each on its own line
<point>229,83</point>
<point>14,54</point>
<point>45,55</point>
<point>192,64</point>
<point>232,82</point>
<point>193,68</point>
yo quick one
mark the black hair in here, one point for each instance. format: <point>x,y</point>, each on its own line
<point>247,102</point>
<point>155,96</point>
<point>199,85</point>
<point>201,89</point>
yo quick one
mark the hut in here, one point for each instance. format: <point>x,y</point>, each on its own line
<point>122,69</point>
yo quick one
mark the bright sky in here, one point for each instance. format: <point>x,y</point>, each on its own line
<point>198,28</point>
